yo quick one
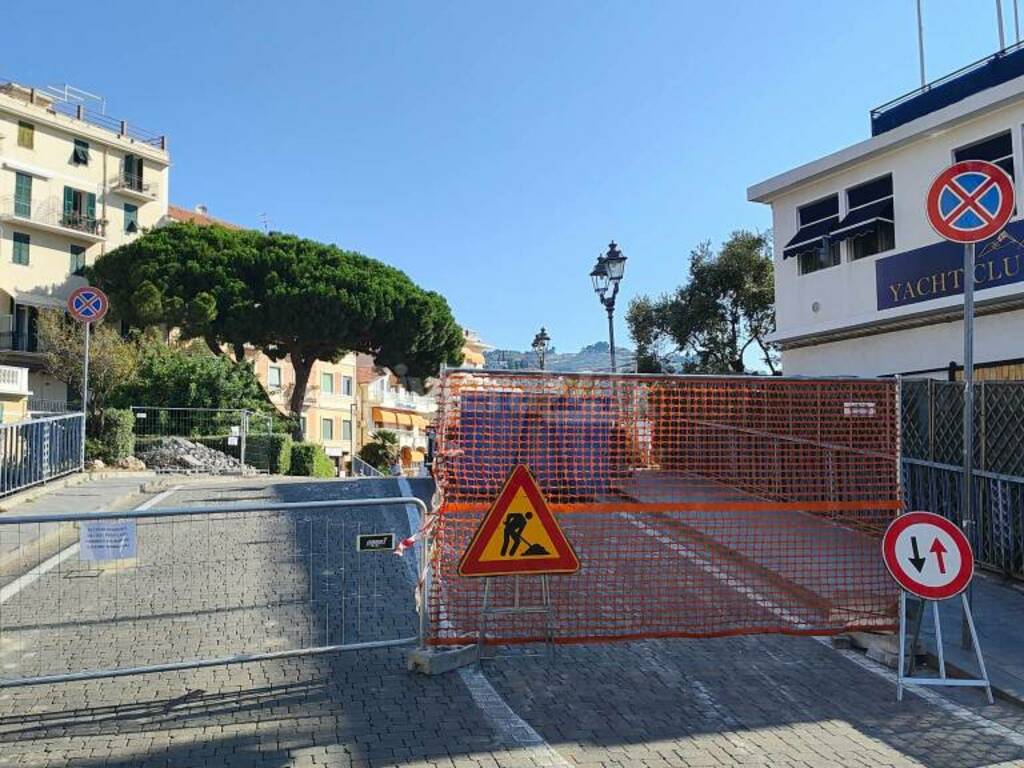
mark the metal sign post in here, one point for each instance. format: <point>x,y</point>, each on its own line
<point>968,202</point>
<point>87,305</point>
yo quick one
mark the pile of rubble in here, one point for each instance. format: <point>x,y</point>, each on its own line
<point>176,454</point>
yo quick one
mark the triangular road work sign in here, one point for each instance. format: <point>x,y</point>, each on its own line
<point>518,535</point>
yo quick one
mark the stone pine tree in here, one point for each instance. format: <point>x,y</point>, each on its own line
<point>725,308</point>
<point>282,294</point>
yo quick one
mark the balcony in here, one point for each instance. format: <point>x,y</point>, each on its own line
<point>135,187</point>
<point>49,216</point>
<point>974,78</point>
<point>12,340</point>
<point>13,380</point>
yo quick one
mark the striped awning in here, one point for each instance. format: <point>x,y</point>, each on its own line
<point>384,417</point>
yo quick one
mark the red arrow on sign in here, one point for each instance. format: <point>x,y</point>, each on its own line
<point>938,550</point>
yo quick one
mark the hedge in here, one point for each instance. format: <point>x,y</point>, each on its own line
<point>117,435</point>
<point>310,460</point>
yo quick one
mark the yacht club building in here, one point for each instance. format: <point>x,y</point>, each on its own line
<point>863,285</point>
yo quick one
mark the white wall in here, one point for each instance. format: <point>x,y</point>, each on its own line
<point>846,293</point>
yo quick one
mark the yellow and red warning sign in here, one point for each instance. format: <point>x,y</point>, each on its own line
<point>518,535</point>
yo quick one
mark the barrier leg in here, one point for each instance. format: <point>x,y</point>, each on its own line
<point>903,641</point>
<point>977,648</point>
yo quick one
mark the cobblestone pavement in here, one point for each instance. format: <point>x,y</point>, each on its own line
<point>776,701</point>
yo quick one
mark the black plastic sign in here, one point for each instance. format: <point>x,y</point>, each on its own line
<point>375,542</point>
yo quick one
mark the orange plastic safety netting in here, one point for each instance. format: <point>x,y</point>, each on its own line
<point>697,506</point>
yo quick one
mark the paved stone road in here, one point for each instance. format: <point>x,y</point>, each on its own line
<point>738,701</point>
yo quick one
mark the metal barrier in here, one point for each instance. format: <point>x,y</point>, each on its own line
<point>37,450</point>
<point>208,585</point>
<point>998,498</point>
<point>361,469</point>
<point>205,440</point>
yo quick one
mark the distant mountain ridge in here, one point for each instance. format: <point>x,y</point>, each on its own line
<point>592,358</point>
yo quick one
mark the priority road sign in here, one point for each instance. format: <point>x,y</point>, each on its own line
<point>518,535</point>
<point>928,555</point>
<point>87,304</point>
<point>970,201</point>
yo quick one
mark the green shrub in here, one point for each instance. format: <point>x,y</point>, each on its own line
<point>95,449</point>
<point>117,434</point>
<point>310,460</point>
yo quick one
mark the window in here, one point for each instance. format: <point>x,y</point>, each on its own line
<point>327,383</point>
<point>868,225</point>
<point>302,425</point>
<point>26,135</point>
<point>131,218</point>
<point>346,385</point>
<point>346,430</point>
<point>80,210</point>
<point>131,175</point>
<point>995,149</point>
<point>23,195</point>
<point>811,245</point>
<point>77,259</point>
<point>80,154</point>
<point>274,377</point>
<point>326,429</point>
<point>21,244</point>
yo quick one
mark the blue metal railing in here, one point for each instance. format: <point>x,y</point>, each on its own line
<point>36,450</point>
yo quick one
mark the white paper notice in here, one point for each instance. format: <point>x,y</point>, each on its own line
<point>100,540</point>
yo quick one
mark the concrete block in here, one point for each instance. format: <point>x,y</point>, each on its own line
<point>437,661</point>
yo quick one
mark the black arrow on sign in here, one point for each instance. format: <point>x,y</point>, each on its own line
<point>917,561</point>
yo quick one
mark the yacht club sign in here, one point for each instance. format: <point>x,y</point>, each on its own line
<point>937,270</point>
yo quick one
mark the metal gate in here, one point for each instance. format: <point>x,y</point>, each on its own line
<point>154,590</point>
<point>205,440</point>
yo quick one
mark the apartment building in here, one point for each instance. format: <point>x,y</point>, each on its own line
<point>473,348</point>
<point>385,404</point>
<point>330,409</point>
<point>863,284</point>
<point>74,183</point>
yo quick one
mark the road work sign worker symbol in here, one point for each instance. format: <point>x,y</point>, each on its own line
<point>518,535</point>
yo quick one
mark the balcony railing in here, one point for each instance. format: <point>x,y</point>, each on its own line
<point>130,182</point>
<point>13,380</point>
<point>13,340</point>
<point>50,213</point>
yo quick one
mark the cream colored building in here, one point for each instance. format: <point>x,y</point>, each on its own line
<point>74,183</point>
<point>330,408</point>
<point>14,393</point>
<point>473,349</point>
<point>387,405</point>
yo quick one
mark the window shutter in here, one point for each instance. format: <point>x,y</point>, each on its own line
<point>69,201</point>
<point>90,207</point>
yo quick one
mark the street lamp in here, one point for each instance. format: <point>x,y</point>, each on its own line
<point>540,345</point>
<point>607,273</point>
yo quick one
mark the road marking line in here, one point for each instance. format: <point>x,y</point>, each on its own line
<point>723,576</point>
<point>511,727</point>
<point>988,726</point>
<point>27,579</point>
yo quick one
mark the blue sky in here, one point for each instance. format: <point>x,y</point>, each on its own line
<point>491,150</point>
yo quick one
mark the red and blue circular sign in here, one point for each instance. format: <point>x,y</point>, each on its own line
<point>87,304</point>
<point>970,201</point>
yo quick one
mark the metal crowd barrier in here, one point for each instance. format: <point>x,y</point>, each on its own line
<point>101,594</point>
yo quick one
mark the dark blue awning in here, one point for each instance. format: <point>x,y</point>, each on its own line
<point>809,238</point>
<point>862,221</point>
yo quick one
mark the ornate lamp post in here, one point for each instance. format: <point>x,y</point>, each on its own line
<point>540,345</point>
<point>607,274</point>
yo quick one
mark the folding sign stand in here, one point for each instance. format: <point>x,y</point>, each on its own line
<point>518,537</point>
<point>908,679</point>
<point>930,557</point>
<point>517,609</point>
